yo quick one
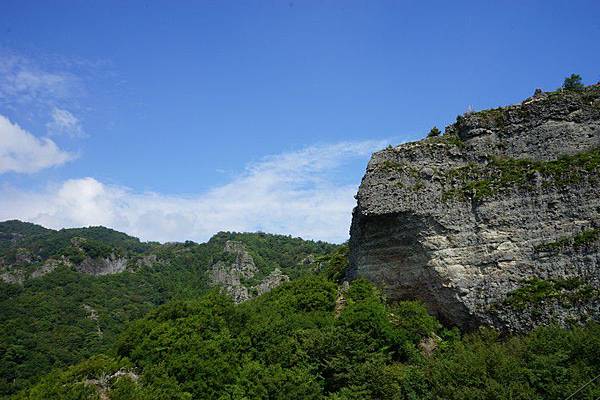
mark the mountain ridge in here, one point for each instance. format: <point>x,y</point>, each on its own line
<point>78,288</point>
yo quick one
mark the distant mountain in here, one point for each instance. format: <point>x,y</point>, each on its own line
<point>65,295</point>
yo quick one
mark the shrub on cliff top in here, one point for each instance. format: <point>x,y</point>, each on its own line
<point>434,132</point>
<point>573,82</point>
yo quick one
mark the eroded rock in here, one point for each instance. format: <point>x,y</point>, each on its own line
<point>460,223</point>
<point>232,275</point>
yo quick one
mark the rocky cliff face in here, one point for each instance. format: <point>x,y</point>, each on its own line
<point>234,275</point>
<point>495,222</point>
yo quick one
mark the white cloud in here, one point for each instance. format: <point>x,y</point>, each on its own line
<point>63,122</point>
<point>22,152</point>
<point>291,193</point>
<point>32,92</point>
<point>23,82</point>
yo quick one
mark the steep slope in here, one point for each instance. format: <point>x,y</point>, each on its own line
<point>495,222</point>
<point>67,304</point>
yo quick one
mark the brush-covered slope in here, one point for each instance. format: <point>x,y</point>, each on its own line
<point>67,294</point>
<point>495,222</point>
<point>312,339</point>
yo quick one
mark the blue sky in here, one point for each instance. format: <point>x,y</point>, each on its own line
<point>173,120</point>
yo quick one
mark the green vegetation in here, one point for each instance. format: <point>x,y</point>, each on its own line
<point>535,291</point>
<point>161,333</point>
<point>578,241</point>
<point>290,344</point>
<point>453,140</point>
<point>434,132</point>
<point>450,139</point>
<point>495,117</point>
<point>480,181</point>
<point>335,264</point>
<point>63,317</point>
<point>389,166</point>
<point>74,244</point>
<point>573,82</point>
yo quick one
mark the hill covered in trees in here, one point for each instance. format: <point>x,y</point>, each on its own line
<point>62,308</point>
<point>164,330</point>
<point>482,224</point>
<point>313,339</point>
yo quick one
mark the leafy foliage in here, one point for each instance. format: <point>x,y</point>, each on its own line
<point>573,82</point>
<point>63,317</point>
<point>161,333</point>
<point>290,344</point>
<point>434,132</point>
<point>483,181</point>
<point>335,264</point>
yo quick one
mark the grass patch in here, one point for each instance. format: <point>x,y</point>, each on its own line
<point>583,239</point>
<point>536,291</point>
<point>448,138</point>
<point>480,181</point>
<point>416,184</point>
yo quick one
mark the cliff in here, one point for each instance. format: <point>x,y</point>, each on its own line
<point>496,222</point>
<point>233,275</point>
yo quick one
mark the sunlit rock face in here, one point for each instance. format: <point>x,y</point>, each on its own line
<point>495,222</point>
<point>233,275</point>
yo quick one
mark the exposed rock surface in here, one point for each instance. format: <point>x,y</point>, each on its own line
<point>495,222</point>
<point>102,266</point>
<point>274,279</point>
<point>19,272</point>
<point>232,275</point>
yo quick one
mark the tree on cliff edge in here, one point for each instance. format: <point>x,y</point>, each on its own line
<point>573,82</point>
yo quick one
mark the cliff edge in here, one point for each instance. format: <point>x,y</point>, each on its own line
<point>497,221</point>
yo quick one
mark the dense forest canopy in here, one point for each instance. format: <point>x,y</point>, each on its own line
<point>161,331</point>
<point>296,342</point>
<point>64,316</point>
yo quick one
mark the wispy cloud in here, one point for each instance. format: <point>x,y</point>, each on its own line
<point>64,123</point>
<point>291,193</point>
<point>26,87</point>
<point>22,152</point>
<point>23,82</point>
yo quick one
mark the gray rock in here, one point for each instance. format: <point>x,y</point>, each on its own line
<point>273,280</point>
<point>102,266</point>
<point>465,256</point>
<point>230,276</point>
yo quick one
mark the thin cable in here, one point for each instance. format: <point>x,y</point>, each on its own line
<point>581,388</point>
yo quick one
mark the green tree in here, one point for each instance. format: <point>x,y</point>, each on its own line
<point>573,82</point>
<point>434,132</point>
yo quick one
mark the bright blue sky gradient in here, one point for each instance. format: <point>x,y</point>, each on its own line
<point>179,97</point>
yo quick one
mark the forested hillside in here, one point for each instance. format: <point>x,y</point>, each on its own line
<point>164,329</point>
<point>312,339</point>
<point>55,310</point>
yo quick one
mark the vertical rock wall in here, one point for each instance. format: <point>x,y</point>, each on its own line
<point>495,222</point>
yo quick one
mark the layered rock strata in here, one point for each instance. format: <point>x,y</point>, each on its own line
<point>495,222</point>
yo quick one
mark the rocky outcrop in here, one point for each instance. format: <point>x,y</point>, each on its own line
<point>102,266</point>
<point>25,269</point>
<point>229,275</point>
<point>495,222</point>
<point>271,281</point>
<point>233,275</point>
